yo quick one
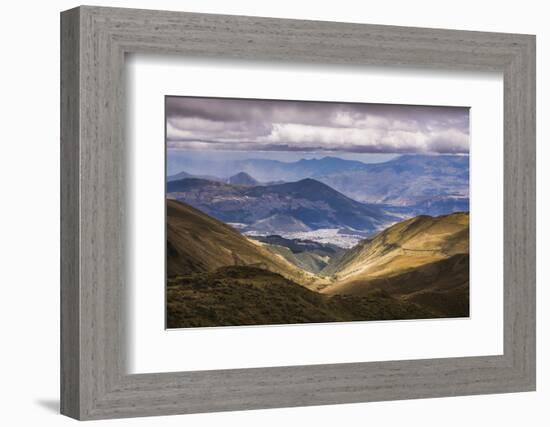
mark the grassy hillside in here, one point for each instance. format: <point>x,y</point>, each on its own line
<point>417,268</point>
<point>305,254</point>
<point>423,260</point>
<point>408,244</point>
<point>242,295</point>
<point>441,286</point>
<point>197,243</point>
<point>308,261</point>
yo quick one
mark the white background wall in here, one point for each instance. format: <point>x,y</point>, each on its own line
<point>29,225</point>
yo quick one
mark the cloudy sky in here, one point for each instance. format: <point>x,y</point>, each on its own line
<point>266,125</point>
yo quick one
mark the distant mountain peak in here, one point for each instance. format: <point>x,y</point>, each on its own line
<point>308,188</point>
<point>180,175</point>
<point>309,201</point>
<point>242,178</point>
<point>314,188</point>
<point>334,158</point>
<point>325,159</point>
<point>311,181</point>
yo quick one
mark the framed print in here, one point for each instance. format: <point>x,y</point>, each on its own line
<point>301,228</point>
<point>345,212</point>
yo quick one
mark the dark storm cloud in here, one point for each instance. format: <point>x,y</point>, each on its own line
<point>247,124</point>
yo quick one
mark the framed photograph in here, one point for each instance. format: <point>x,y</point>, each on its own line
<point>262,213</point>
<point>284,212</point>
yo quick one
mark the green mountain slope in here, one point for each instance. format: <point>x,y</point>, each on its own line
<point>197,243</point>
<point>417,268</point>
<point>423,260</point>
<point>404,245</point>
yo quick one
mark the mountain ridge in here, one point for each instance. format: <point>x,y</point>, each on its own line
<point>424,235</point>
<point>242,178</point>
<point>421,263</point>
<point>197,243</point>
<point>307,201</point>
<point>409,180</point>
<point>416,183</point>
<point>424,259</point>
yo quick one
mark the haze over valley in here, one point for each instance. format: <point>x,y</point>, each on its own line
<point>366,199</point>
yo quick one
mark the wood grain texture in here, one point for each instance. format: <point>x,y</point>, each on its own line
<point>94,272</point>
<point>70,297</point>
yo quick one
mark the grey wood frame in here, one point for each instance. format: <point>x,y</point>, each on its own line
<point>94,382</point>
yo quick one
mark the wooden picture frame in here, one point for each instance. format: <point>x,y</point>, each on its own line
<point>94,382</point>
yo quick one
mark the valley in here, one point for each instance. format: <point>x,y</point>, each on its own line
<point>217,276</point>
<point>242,295</point>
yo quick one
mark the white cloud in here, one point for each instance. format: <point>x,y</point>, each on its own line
<point>277,125</point>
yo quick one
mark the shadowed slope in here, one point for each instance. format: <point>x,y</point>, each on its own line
<point>418,268</point>
<point>441,286</point>
<point>242,295</point>
<point>423,260</point>
<point>197,243</point>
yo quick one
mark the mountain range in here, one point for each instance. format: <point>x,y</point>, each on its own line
<point>300,206</point>
<point>216,276</point>
<point>267,170</point>
<point>410,184</point>
<point>410,180</point>
<point>317,240</point>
